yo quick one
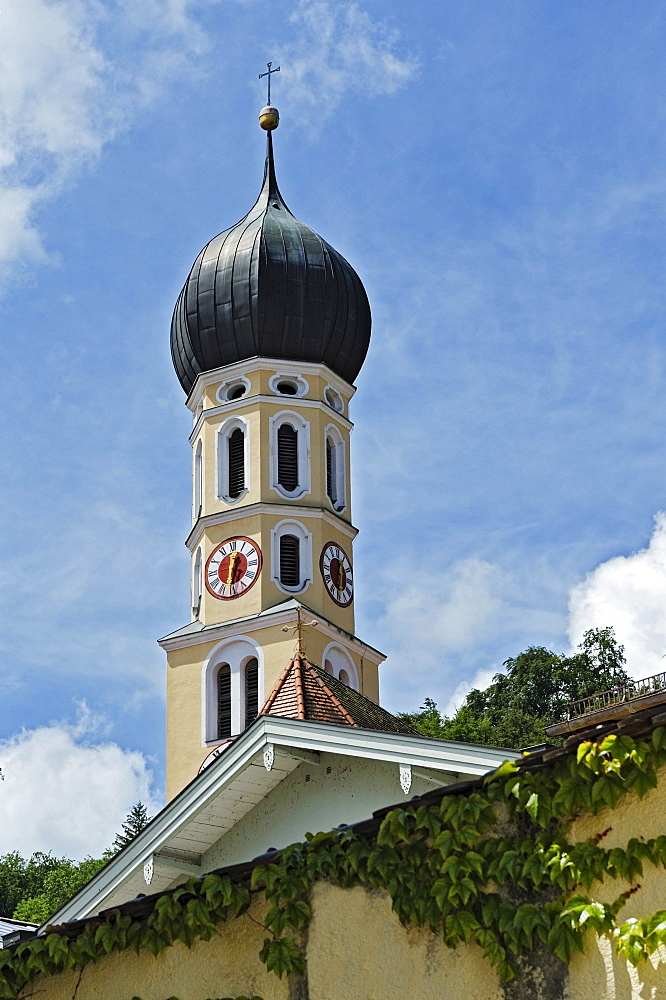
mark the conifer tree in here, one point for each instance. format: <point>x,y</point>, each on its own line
<point>137,819</point>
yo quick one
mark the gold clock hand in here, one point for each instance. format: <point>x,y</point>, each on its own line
<point>233,562</point>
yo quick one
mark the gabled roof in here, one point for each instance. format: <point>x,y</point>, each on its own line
<point>305,691</point>
<point>235,782</point>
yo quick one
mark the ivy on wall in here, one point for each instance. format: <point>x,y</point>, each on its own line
<point>494,866</point>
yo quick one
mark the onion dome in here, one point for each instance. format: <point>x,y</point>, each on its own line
<point>270,287</point>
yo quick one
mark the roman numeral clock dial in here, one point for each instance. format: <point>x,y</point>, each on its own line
<point>232,568</point>
<point>337,572</point>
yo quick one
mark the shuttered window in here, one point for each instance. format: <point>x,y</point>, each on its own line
<point>236,457</point>
<point>290,561</point>
<point>251,691</point>
<point>330,483</point>
<point>287,441</point>
<point>224,702</point>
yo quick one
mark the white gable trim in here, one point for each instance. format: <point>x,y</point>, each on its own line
<point>176,830</point>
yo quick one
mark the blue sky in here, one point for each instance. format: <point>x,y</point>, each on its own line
<point>495,173</point>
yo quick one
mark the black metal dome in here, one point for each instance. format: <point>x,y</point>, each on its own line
<point>270,287</point>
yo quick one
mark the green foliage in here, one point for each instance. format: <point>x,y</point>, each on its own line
<point>34,888</point>
<point>535,690</point>
<point>59,884</point>
<point>137,819</point>
<point>495,867</point>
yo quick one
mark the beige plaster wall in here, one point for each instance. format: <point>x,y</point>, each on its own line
<point>227,965</point>
<point>356,950</point>
<point>599,973</point>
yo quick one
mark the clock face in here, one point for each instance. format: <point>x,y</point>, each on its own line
<point>232,567</point>
<point>337,573</point>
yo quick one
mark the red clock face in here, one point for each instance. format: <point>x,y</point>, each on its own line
<point>337,572</point>
<point>232,568</point>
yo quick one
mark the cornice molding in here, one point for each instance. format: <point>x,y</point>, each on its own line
<point>291,510</point>
<point>243,626</point>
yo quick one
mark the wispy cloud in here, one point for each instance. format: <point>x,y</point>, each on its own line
<point>68,86</point>
<point>451,628</point>
<point>63,581</point>
<point>339,50</point>
<point>45,770</point>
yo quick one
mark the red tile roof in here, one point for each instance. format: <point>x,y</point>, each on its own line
<point>305,691</point>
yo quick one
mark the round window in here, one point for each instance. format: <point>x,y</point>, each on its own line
<point>236,392</point>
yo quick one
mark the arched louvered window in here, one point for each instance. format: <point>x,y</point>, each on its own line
<point>224,702</point>
<point>287,447</point>
<point>251,690</point>
<point>236,460</point>
<point>290,561</point>
<point>330,457</point>
<point>335,468</point>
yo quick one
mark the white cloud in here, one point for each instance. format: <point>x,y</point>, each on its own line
<point>339,50</point>
<point>72,74</point>
<point>629,593</point>
<point>45,771</point>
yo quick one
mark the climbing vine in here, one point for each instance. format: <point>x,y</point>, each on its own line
<point>494,866</point>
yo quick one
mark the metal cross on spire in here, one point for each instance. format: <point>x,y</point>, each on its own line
<point>268,74</point>
<point>297,629</point>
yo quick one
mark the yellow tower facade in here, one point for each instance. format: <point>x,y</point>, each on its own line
<point>272,532</point>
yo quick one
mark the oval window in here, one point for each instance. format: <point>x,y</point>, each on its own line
<point>334,399</point>
<point>287,388</point>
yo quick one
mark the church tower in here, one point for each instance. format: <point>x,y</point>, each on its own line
<point>268,335</point>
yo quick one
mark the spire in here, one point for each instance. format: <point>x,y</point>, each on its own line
<point>270,191</point>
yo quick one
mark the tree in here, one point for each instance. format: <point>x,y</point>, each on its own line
<point>33,889</point>
<point>137,819</point>
<point>535,690</point>
<point>59,884</point>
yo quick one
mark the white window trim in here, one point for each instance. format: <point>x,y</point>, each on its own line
<point>224,432</point>
<point>230,385</point>
<point>302,387</point>
<point>197,583</point>
<point>338,403</point>
<point>290,527</point>
<point>197,480</point>
<point>339,467</point>
<point>302,427</point>
<point>236,652</point>
<point>340,659</point>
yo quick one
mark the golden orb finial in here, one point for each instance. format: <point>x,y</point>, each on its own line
<point>269,118</point>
